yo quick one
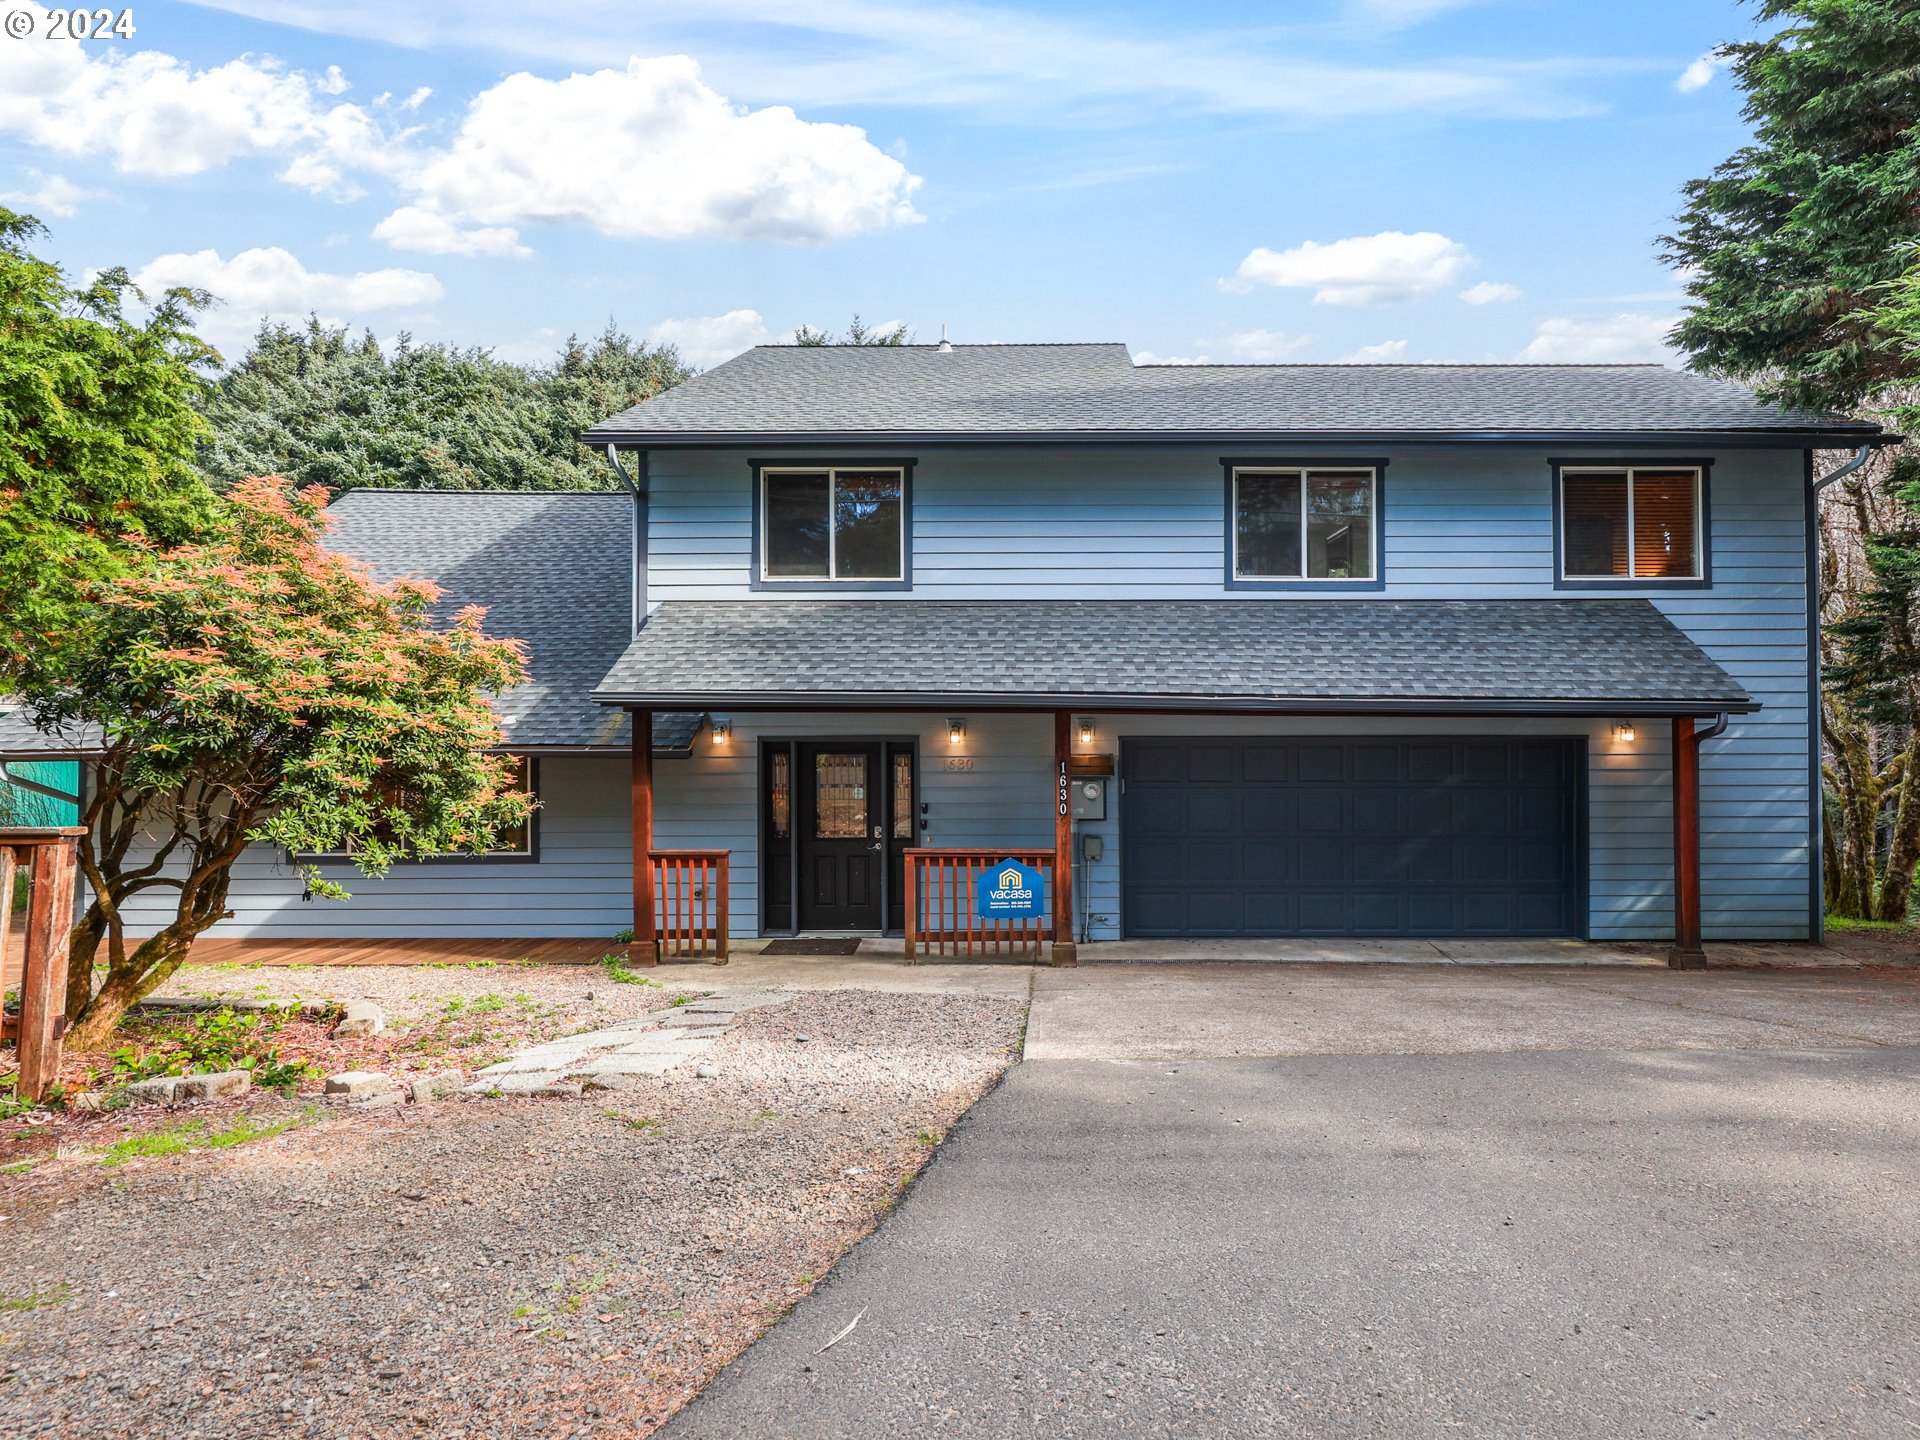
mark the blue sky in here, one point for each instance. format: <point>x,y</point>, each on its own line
<point>1373,179</point>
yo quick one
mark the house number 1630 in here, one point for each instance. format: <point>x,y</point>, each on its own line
<point>959,762</point>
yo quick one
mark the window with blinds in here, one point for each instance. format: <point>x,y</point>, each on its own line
<point>1630,523</point>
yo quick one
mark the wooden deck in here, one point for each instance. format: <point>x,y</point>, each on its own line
<point>400,952</point>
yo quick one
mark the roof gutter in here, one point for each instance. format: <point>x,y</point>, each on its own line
<point>1828,439</point>
<point>1172,704</point>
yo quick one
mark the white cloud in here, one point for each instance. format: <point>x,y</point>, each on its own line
<point>706,340</point>
<point>1619,338</point>
<point>1386,352</point>
<point>651,151</point>
<point>1363,270</point>
<point>1262,346</point>
<point>1147,357</point>
<point>157,115</point>
<point>648,151</point>
<point>431,233</point>
<point>54,195</point>
<point>272,283</point>
<point>1489,292</point>
<point>1699,74</point>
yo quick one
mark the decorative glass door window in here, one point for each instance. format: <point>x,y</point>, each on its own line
<point>1628,523</point>
<point>1303,524</point>
<point>780,796</point>
<point>832,524</point>
<point>902,795</point>
<point>840,797</point>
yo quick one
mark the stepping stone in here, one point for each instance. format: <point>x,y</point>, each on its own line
<point>608,1066</point>
<point>523,1084</point>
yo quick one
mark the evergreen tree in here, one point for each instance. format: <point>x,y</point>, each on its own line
<point>858,333</point>
<point>322,408</point>
<point>1789,248</point>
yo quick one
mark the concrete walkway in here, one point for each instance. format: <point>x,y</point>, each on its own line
<point>1223,1200</point>
<point>618,1057</point>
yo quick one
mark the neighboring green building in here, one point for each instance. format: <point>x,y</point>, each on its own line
<point>20,806</point>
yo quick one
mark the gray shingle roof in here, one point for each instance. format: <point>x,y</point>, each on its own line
<point>1062,391</point>
<point>553,570</point>
<point>1575,656</point>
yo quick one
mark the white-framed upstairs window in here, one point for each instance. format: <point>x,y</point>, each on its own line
<point>831,525</point>
<point>1633,525</point>
<point>1307,525</point>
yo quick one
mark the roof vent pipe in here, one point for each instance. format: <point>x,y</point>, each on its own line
<point>946,345</point>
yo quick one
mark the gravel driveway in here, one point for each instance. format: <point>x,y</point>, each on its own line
<point>479,1267</point>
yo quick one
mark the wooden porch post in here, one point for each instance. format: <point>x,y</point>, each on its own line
<point>645,949</point>
<point>1063,946</point>
<point>1686,953</point>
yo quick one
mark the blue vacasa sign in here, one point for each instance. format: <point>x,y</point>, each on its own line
<point>1010,891</point>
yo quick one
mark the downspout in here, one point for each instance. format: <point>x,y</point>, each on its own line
<point>639,542</point>
<point>1860,457</point>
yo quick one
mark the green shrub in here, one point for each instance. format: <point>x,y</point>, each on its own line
<point>223,1039</point>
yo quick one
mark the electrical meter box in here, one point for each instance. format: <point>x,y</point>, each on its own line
<point>1090,797</point>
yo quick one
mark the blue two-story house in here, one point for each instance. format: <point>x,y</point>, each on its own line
<point>1225,651</point>
<point>1263,650</point>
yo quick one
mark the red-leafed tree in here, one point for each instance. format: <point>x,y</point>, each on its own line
<point>250,686</point>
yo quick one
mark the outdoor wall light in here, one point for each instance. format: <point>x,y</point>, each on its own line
<point>956,730</point>
<point>1623,731</point>
<point>1086,730</point>
<point>722,729</point>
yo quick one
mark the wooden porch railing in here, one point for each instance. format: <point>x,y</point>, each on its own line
<point>690,903</point>
<point>35,958</point>
<point>940,916</point>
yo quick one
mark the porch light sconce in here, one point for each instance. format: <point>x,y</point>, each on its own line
<point>956,730</point>
<point>1623,731</point>
<point>722,729</point>
<point>1086,730</point>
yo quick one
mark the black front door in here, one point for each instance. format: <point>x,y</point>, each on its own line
<point>842,834</point>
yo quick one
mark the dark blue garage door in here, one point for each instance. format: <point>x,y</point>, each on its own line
<point>1311,836</point>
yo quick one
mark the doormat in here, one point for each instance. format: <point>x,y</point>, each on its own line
<point>848,946</point>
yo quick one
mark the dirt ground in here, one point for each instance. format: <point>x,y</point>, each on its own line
<point>473,1267</point>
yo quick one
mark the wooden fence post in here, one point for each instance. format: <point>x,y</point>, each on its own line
<point>39,1033</point>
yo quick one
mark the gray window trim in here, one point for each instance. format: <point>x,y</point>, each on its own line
<point>757,576</point>
<point>1232,465</point>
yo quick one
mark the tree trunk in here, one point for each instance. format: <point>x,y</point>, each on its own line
<point>83,945</point>
<point>1903,848</point>
<point>147,969</point>
<point>1858,798</point>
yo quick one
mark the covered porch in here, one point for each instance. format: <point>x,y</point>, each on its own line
<point>1270,778</point>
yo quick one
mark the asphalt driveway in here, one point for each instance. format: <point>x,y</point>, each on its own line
<point>1707,1236</point>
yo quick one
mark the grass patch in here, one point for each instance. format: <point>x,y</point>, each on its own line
<point>619,972</point>
<point>1845,923</point>
<point>193,1135</point>
<point>21,1167</point>
<point>34,1299</point>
